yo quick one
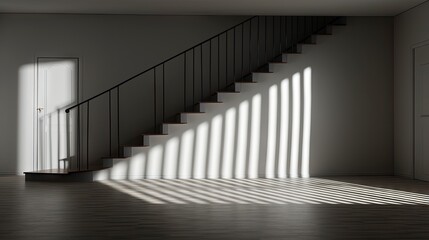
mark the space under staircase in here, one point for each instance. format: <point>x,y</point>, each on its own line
<point>202,77</point>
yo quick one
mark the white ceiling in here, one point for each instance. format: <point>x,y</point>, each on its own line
<point>213,7</point>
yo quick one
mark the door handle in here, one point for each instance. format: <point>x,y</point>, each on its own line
<point>39,109</point>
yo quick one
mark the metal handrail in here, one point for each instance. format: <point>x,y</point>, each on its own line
<point>159,64</point>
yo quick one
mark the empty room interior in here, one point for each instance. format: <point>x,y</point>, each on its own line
<point>182,119</point>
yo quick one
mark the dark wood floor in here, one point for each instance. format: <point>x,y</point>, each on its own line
<point>335,208</point>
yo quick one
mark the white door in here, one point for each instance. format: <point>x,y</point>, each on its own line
<point>421,74</point>
<point>57,85</point>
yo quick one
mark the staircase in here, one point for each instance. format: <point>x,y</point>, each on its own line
<point>213,135</point>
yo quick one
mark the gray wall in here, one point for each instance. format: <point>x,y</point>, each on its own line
<point>411,30</point>
<point>352,119</point>
<point>111,48</point>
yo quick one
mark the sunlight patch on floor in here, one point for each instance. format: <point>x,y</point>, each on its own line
<point>262,191</point>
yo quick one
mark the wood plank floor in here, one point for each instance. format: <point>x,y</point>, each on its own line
<point>317,208</point>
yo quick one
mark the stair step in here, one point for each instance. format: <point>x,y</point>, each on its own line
<point>168,128</point>
<point>49,171</point>
<point>211,102</point>
<point>227,92</point>
<point>245,86</point>
<point>190,116</point>
<point>224,96</point>
<point>289,57</point>
<point>133,145</point>
<point>208,106</point>
<point>148,139</point>
<point>245,82</point>
<point>60,175</point>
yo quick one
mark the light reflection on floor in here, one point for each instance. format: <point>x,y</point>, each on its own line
<point>263,191</point>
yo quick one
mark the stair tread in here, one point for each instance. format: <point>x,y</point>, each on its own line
<point>48,171</point>
<point>115,157</point>
<point>61,171</point>
<point>245,82</point>
<point>192,112</point>
<point>135,145</point>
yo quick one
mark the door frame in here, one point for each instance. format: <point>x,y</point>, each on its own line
<point>35,99</point>
<point>413,54</point>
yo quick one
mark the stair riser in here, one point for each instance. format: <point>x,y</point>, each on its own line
<point>128,152</point>
<point>209,107</point>
<point>171,128</point>
<point>226,97</point>
<point>261,77</point>
<point>245,87</point>
<point>191,117</point>
<point>154,139</point>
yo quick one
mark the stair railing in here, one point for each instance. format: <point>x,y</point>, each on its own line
<point>204,69</point>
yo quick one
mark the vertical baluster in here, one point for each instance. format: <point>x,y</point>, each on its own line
<point>250,45</point>
<point>163,92</point>
<point>265,39</point>
<point>210,67</point>
<point>233,62</point>
<point>226,59</point>
<point>117,114</point>
<point>242,51</point>
<point>280,35</point>
<point>154,99</point>
<point>202,77</point>
<point>304,20</point>
<point>286,33</point>
<point>218,62</point>
<point>87,135</point>
<point>257,44</point>
<point>193,78</point>
<point>273,51</point>
<point>68,140</point>
<point>110,123</point>
<point>78,158</point>
<point>295,32</point>
<point>184,80</point>
<point>282,45</point>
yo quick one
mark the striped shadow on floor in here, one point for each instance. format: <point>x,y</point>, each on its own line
<point>263,191</point>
